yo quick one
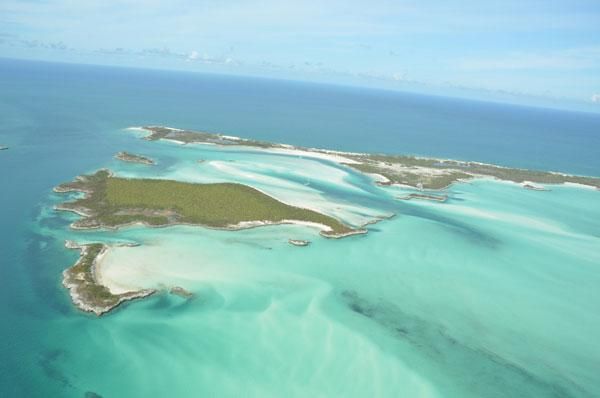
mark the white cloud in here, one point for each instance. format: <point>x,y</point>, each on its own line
<point>392,42</point>
<point>571,58</point>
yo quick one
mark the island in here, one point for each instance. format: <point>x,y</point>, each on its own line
<point>437,174</point>
<point>386,169</point>
<point>3,147</point>
<point>112,202</point>
<point>132,158</point>
<point>298,242</point>
<point>80,279</point>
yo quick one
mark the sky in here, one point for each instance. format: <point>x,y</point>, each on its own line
<point>544,49</point>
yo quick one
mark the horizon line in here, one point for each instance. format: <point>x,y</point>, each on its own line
<point>485,96</point>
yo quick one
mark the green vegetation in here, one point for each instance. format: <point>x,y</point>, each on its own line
<point>82,274</point>
<point>438,174</point>
<point>412,178</point>
<point>130,157</point>
<point>189,137</point>
<point>87,294</point>
<point>428,173</point>
<point>522,175</point>
<point>112,202</point>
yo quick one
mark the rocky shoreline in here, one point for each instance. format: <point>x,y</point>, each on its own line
<point>85,291</point>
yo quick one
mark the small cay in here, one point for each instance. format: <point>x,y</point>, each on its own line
<point>132,158</point>
<point>298,242</point>
<point>87,294</point>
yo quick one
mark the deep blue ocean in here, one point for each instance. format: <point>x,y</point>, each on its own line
<point>55,117</point>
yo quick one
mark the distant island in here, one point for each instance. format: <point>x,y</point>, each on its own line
<point>413,171</point>
<point>3,147</point>
<point>130,157</point>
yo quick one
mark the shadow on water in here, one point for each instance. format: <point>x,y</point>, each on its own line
<point>459,228</point>
<point>484,372</point>
<point>159,301</point>
<point>243,242</point>
<point>375,197</point>
<point>48,361</point>
<point>169,302</point>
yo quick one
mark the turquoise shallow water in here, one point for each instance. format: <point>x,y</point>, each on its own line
<point>491,294</point>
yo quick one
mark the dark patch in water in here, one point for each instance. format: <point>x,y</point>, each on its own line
<point>402,331</point>
<point>48,364</point>
<point>248,243</point>
<point>494,377</point>
<point>159,301</point>
<point>91,394</point>
<point>362,309</point>
<point>473,235</point>
<point>181,304</point>
<point>468,232</point>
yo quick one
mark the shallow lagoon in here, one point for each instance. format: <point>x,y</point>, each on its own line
<point>492,293</point>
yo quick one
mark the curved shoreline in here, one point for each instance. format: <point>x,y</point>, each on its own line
<point>99,210</point>
<point>325,230</point>
<point>81,281</point>
<point>158,210</point>
<point>414,171</point>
